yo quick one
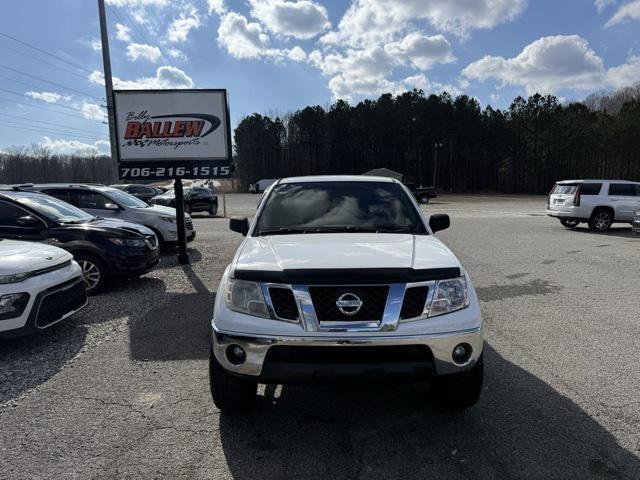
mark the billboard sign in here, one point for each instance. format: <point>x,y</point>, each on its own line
<point>172,134</point>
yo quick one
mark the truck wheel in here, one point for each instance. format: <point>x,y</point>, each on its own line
<point>601,220</point>
<point>229,393</point>
<point>213,209</point>
<point>424,198</point>
<point>569,222</point>
<point>462,390</point>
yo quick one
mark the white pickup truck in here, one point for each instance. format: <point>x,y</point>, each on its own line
<point>342,278</point>
<point>599,203</point>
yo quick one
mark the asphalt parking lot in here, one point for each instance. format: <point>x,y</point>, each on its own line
<point>121,390</point>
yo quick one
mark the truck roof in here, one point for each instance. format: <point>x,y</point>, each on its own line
<point>338,178</point>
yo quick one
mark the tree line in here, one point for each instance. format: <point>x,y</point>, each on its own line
<point>522,149</point>
<point>37,164</point>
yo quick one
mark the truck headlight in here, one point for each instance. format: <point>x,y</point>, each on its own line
<point>449,296</point>
<point>13,305</point>
<point>246,297</point>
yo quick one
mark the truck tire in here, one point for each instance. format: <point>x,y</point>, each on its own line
<point>569,222</point>
<point>230,393</point>
<point>460,391</point>
<point>423,198</point>
<point>601,220</point>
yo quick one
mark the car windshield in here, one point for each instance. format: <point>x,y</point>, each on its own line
<point>314,207</point>
<point>56,210</point>
<point>124,198</point>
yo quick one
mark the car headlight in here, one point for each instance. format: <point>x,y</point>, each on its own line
<point>168,219</point>
<point>128,242</point>
<point>14,278</point>
<point>246,297</point>
<point>13,305</point>
<point>449,296</point>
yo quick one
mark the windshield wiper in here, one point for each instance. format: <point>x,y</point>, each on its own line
<point>337,229</point>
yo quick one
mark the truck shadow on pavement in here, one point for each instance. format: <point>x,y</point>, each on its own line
<point>178,328</point>
<point>624,232</point>
<point>522,428</point>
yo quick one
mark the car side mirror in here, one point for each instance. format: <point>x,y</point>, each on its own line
<point>239,224</point>
<point>439,221</point>
<point>29,221</point>
<point>111,206</point>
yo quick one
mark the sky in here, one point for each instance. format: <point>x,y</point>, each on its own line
<point>275,56</point>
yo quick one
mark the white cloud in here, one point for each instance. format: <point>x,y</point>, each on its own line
<point>140,50</point>
<point>75,146</point>
<point>241,38</point>
<point>421,51</point>
<point>216,6</point>
<point>625,75</point>
<point>380,21</point>
<point>554,64</point>
<point>181,26</point>
<point>297,54</point>
<point>628,11</point>
<point>123,32</point>
<point>49,97</point>
<point>177,54</point>
<point>93,111</point>
<point>547,65</point>
<point>166,77</point>
<point>96,44</point>
<point>301,19</point>
<point>601,5</point>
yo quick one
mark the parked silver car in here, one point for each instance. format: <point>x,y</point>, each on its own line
<point>109,202</point>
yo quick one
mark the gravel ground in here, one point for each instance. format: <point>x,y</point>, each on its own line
<point>121,391</point>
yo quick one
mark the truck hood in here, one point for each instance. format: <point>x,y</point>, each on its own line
<point>344,251</point>
<point>19,257</point>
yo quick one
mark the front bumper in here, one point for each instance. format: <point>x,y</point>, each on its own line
<point>439,345</point>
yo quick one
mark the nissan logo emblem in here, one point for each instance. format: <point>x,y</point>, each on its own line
<point>349,304</point>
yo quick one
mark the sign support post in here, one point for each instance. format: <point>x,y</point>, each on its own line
<point>108,85</point>
<point>183,256</point>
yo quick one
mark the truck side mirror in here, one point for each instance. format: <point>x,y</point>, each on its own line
<point>239,224</point>
<point>439,221</point>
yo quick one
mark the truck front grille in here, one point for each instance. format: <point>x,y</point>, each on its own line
<point>284,303</point>
<point>374,299</point>
<point>414,301</point>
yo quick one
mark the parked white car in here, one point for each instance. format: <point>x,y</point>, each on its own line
<point>341,277</point>
<point>110,202</point>
<point>40,285</point>
<point>599,203</point>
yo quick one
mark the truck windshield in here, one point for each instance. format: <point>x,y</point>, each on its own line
<point>334,207</point>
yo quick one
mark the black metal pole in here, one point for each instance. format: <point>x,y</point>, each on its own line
<point>183,256</point>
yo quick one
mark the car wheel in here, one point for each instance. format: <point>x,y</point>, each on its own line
<point>569,222</point>
<point>229,393</point>
<point>600,220</point>
<point>424,198</point>
<point>461,390</point>
<point>94,272</point>
<point>213,209</point>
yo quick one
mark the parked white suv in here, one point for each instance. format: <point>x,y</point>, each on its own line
<point>342,277</point>
<point>39,285</point>
<point>599,203</point>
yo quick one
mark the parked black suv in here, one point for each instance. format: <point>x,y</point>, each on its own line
<point>143,192</point>
<point>196,199</point>
<point>102,247</point>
